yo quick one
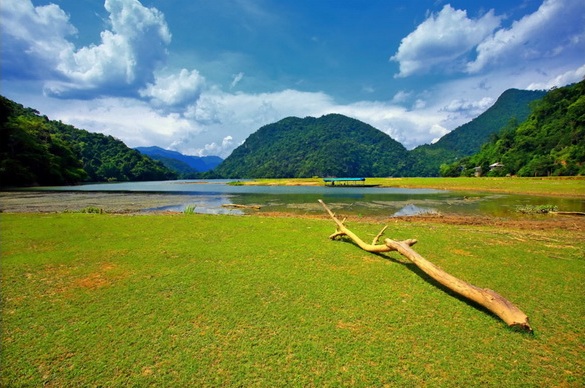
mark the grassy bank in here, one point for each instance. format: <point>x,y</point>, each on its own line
<point>194,300</point>
<point>550,186</point>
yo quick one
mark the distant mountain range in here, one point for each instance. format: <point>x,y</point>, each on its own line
<point>185,165</point>
<point>337,145</point>
<point>527,133</point>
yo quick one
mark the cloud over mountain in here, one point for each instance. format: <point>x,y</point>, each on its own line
<point>443,39</point>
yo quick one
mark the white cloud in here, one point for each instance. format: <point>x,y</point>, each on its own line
<point>438,131</point>
<point>33,38</point>
<point>225,147</point>
<point>565,78</point>
<point>476,107</point>
<point>182,111</point>
<point>237,78</point>
<point>419,104</point>
<point>556,28</point>
<point>124,60</point>
<point>175,90</point>
<point>130,120</point>
<point>442,39</point>
<point>401,97</point>
<point>218,122</point>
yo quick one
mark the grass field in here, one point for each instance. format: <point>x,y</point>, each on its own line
<point>196,300</point>
<point>549,186</point>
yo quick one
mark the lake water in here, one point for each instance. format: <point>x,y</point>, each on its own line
<point>216,197</point>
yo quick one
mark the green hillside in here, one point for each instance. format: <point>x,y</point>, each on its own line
<point>550,142</point>
<point>37,151</point>
<point>332,145</point>
<point>513,106</point>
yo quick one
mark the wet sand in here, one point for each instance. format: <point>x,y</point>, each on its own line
<point>56,202</point>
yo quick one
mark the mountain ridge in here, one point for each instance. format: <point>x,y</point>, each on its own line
<point>332,145</point>
<point>513,105</point>
<point>195,163</point>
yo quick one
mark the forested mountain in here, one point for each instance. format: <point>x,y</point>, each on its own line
<point>550,142</point>
<point>187,166</point>
<point>511,108</point>
<point>332,145</point>
<point>37,151</point>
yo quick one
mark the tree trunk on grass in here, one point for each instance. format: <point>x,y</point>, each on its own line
<point>489,299</point>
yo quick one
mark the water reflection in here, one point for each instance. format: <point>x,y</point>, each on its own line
<point>413,210</point>
<point>210,204</point>
<point>210,197</point>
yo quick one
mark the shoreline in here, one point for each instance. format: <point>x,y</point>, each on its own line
<point>562,187</point>
<point>51,202</point>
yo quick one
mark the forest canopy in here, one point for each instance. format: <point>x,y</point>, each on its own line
<point>37,151</point>
<point>550,142</point>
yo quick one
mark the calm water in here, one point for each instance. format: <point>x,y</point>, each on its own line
<point>213,196</point>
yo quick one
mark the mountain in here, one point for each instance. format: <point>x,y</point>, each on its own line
<point>511,108</point>
<point>37,151</point>
<point>186,165</point>
<point>550,142</point>
<point>332,145</point>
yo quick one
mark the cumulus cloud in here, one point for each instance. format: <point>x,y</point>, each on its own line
<point>34,39</point>
<point>442,39</point>
<point>565,78</point>
<point>175,91</point>
<point>450,41</point>
<point>463,105</point>
<point>556,28</point>
<point>225,147</point>
<point>401,97</point>
<point>142,103</point>
<point>128,119</point>
<point>123,61</point>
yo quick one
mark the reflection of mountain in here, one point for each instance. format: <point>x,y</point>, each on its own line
<point>413,210</point>
<point>203,204</point>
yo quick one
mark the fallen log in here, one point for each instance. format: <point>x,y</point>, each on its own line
<point>236,206</point>
<point>568,213</point>
<point>489,299</point>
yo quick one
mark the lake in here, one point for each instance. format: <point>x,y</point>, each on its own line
<point>219,197</point>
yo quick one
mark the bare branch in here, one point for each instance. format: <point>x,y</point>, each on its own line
<point>489,299</point>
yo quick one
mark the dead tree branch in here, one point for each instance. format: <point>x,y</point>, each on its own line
<point>489,299</point>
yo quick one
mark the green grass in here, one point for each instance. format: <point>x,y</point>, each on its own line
<point>549,186</point>
<point>161,300</point>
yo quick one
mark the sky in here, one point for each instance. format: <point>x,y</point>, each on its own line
<point>200,76</point>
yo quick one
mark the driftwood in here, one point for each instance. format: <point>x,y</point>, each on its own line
<point>489,299</point>
<point>236,206</point>
<point>568,213</point>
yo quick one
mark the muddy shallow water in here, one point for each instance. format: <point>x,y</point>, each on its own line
<point>224,197</point>
<point>51,202</point>
<point>299,204</point>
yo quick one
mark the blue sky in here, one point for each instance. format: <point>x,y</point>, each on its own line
<point>199,76</point>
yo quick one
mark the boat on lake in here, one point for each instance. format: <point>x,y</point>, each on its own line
<point>347,182</point>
